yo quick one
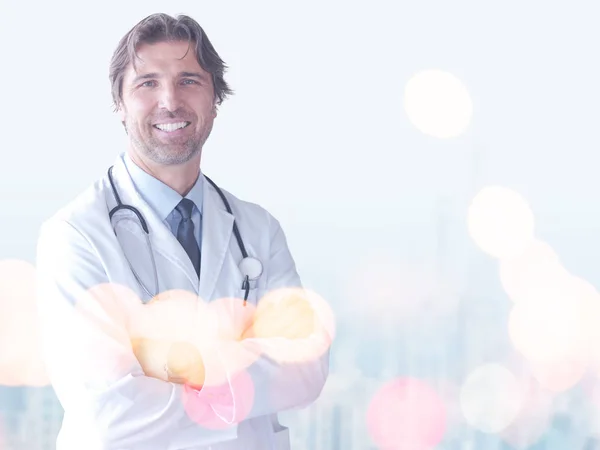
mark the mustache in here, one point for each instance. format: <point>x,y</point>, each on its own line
<point>184,117</point>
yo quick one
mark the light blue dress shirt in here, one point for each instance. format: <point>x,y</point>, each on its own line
<point>163,199</point>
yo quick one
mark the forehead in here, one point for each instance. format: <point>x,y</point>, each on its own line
<point>165,58</point>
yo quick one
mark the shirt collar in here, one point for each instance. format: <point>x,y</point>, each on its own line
<point>161,198</point>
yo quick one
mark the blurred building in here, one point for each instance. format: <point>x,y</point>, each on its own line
<point>12,409</point>
<point>41,424</point>
<point>337,420</point>
<point>30,418</point>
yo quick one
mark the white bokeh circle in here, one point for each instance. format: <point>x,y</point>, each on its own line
<point>500,222</point>
<point>438,104</point>
<point>490,398</point>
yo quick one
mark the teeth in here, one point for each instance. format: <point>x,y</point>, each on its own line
<point>171,126</point>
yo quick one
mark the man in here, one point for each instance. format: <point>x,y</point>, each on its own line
<point>154,229</point>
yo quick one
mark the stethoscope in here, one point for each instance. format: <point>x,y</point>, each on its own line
<point>251,268</point>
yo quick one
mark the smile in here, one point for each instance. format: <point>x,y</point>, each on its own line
<point>170,127</point>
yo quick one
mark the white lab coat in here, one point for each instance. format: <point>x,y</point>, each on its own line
<point>78,249</point>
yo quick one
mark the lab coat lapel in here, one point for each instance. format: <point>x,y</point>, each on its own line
<point>217,225</point>
<point>161,236</point>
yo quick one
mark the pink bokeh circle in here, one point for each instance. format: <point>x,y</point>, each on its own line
<point>218,407</point>
<point>406,413</point>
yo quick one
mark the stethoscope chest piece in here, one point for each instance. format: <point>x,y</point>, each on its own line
<point>251,267</point>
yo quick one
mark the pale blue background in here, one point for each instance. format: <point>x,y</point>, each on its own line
<point>317,134</point>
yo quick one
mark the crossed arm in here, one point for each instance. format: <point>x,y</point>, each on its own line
<point>96,374</point>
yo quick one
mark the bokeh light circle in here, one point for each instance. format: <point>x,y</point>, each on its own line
<point>438,104</point>
<point>21,361</point>
<point>107,304</point>
<point>215,407</point>
<point>559,376</point>
<point>530,271</point>
<point>233,319</point>
<point>101,320</point>
<point>533,418</point>
<point>500,222</point>
<point>551,325</point>
<point>292,325</point>
<point>173,329</point>
<point>590,313</point>
<point>406,413</point>
<point>490,398</point>
<point>173,315</point>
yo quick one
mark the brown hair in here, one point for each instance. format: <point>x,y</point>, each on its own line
<point>164,28</point>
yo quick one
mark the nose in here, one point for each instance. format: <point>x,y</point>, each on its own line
<point>169,98</point>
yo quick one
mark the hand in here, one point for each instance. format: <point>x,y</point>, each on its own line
<point>151,354</point>
<point>185,365</point>
<point>285,313</point>
<point>165,336</point>
<point>177,362</point>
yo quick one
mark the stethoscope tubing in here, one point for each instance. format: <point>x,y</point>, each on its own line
<point>120,205</point>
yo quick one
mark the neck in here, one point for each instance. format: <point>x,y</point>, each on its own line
<point>179,177</point>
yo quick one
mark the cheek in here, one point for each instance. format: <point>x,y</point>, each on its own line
<point>139,111</point>
<point>208,115</point>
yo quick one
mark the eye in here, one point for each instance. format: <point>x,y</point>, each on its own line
<point>146,83</point>
<point>190,80</point>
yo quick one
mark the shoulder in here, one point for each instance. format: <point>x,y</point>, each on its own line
<point>87,209</point>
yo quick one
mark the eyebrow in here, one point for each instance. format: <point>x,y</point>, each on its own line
<point>148,76</point>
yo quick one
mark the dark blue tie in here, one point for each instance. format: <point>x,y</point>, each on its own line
<point>185,232</point>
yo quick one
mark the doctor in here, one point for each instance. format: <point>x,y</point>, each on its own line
<point>154,224</point>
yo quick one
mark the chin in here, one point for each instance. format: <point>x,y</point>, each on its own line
<point>167,156</point>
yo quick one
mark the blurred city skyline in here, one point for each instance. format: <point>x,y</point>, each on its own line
<point>367,129</point>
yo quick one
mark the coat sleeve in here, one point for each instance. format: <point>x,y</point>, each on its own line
<point>283,386</point>
<point>90,360</point>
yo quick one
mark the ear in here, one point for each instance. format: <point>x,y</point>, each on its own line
<point>121,113</point>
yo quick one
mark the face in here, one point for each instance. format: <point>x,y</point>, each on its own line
<point>168,105</point>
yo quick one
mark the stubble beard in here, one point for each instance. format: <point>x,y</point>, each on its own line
<point>168,154</point>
